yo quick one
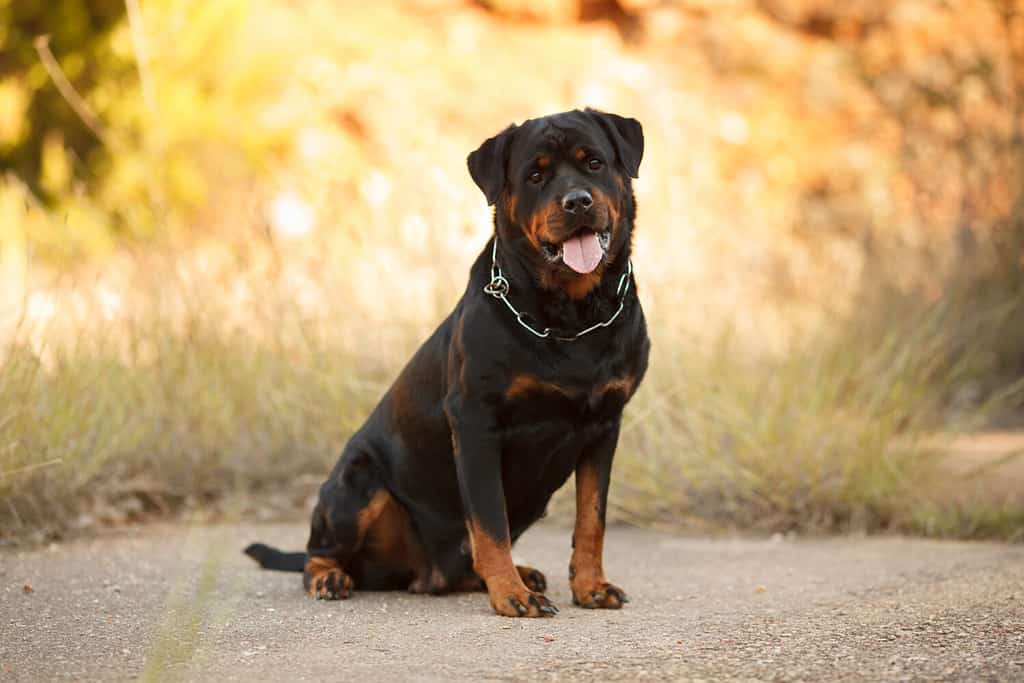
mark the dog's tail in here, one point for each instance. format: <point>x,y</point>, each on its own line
<point>272,558</point>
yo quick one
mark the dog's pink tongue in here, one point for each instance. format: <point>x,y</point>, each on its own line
<point>583,252</point>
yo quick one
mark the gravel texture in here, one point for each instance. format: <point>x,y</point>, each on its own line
<point>183,603</point>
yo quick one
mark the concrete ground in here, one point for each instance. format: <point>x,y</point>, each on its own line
<point>171,602</point>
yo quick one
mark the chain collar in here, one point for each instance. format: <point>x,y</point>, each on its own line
<point>498,287</point>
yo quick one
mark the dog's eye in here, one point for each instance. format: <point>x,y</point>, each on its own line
<point>595,164</point>
<point>535,177</point>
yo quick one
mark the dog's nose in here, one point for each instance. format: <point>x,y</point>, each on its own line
<point>577,201</point>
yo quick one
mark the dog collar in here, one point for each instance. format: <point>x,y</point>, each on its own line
<point>498,287</point>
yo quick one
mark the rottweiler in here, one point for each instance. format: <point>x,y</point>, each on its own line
<point>523,384</point>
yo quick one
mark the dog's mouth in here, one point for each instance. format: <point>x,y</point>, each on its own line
<point>582,252</point>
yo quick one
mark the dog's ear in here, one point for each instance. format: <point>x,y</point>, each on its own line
<point>627,135</point>
<point>487,164</point>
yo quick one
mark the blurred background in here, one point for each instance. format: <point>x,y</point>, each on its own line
<point>224,226</point>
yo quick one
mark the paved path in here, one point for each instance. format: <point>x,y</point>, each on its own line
<point>183,603</point>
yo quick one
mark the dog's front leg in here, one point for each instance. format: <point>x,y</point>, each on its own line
<point>586,570</point>
<point>478,462</point>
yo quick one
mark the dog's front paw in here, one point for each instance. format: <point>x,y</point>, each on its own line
<point>513,599</point>
<point>529,604</point>
<point>597,594</point>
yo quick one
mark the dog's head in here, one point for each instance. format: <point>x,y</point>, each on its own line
<point>563,190</point>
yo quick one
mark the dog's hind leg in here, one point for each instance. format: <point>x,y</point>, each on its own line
<point>351,500</point>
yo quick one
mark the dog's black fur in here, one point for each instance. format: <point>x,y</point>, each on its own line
<point>487,420</point>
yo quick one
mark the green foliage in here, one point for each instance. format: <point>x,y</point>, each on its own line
<point>37,117</point>
<point>175,110</point>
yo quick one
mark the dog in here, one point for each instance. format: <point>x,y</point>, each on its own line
<point>523,384</point>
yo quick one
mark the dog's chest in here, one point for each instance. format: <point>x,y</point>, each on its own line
<point>546,426</point>
<point>535,399</point>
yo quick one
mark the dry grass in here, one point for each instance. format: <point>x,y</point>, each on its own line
<point>187,400</point>
<point>836,435</point>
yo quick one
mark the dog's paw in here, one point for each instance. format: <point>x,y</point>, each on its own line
<point>325,580</point>
<point>519,601</point>
<point>598,594</point>
<point>533,578</point>
<point>332,584</point>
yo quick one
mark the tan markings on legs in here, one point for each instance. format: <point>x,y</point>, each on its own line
<point>509,596</point>
<point>588,534</point>
<point>586,571</point>
<point>492,561</point>
<point>366,517</point>
<point>326,580</point>
<point>317,564</point>
<point>389,539</point>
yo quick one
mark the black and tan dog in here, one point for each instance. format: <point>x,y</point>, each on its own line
<point>522,385</point>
